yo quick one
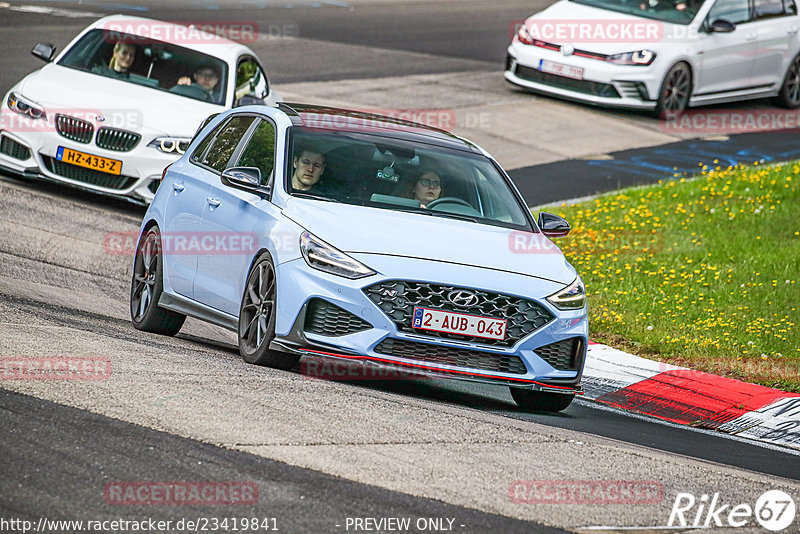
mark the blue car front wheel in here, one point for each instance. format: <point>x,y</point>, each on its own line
<point>257,318</point>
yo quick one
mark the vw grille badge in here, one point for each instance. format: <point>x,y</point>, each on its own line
<point>567,50</point>
<point>462,298</point>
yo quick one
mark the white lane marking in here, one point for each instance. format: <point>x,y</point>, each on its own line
<point>589,403</point>
<point>54,11</point>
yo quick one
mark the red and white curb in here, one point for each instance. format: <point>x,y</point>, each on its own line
<point>688,397</point>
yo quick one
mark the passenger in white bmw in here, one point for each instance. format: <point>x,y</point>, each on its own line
<point>121,60</point>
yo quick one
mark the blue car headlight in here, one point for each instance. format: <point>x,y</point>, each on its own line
<point>320,255</point>
<point>572,297</point>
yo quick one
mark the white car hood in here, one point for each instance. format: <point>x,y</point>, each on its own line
<point>564,10</point>
<point>123,105</point>
<point>358,229</point>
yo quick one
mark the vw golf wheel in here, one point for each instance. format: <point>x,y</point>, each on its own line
<point>676,89</point>
<point>789,97</point>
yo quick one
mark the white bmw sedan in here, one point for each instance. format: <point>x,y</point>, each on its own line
<point>122,102</point>
<point>660,55</point>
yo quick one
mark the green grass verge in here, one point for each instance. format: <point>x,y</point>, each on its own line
<point>700,272</point>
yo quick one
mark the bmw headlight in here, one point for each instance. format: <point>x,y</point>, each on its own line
<point>572,297</point>
<point>24,106</point>
<point>639,57</point>
<point>171,145</point>
<point>320,255</point>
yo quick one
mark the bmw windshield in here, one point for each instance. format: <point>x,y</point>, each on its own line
<point>390,173</point>
<point>154,64</point>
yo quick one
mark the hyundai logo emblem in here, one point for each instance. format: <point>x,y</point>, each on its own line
<point>462,298</point>
<point>567,50</point>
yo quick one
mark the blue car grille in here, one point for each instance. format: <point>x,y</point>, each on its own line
<point>473,359</point>
<point>327,319</point>
<point>397,299</point>
<point>565,355</point>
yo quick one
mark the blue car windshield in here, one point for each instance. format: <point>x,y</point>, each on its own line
<point>671,11</point>
<point>394,173</point>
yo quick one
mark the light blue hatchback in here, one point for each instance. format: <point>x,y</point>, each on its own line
<point>329,233</point>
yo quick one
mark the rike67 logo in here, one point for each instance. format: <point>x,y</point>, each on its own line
<point>774,510</point>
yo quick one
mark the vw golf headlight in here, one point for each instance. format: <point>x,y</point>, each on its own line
<point>320,255</point>
<point>572,297</point>
<point>639,57</point>
<point>22,105</point>
<point>171,145</point>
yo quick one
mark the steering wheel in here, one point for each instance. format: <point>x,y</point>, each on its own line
<point>449,200</point>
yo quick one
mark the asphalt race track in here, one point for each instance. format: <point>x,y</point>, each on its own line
<point>323,452</point>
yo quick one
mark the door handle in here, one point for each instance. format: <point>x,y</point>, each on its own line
<point>178,187</point>
<point>213,202</point>
<point>750,37</point>
<point>792,30</point>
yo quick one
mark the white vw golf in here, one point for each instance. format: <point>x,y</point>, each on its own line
<point>122,101</point>
<point>660,55</point>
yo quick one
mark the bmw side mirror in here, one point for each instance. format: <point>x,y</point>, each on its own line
<point>246,178</point>
<point>553,225</point>
<point>44,51</point>
<point>721,26</point>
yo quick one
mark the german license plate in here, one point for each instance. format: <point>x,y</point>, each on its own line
<point>559,68</point>
<point>459,323</point>
<point>89,161</point>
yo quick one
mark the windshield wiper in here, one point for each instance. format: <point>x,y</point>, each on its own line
<point>315,197</point>
<point>450,215</point>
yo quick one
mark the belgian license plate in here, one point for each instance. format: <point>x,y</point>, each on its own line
<point>559,68</point>
<point>89,161</point>
<point>459,323</point>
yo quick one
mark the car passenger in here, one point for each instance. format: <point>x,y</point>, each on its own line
<point>308,163</point>
<point>121,61</point>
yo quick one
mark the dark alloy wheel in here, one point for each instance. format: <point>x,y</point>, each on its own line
<point>676,89</point>
<point>146,287</point>
<point>257,318</point>
<point>789,97</point>
<point>541,401</point>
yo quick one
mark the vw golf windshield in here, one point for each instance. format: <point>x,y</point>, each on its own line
<point>672,11</point>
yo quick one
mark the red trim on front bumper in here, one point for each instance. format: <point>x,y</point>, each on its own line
<point>393,362</point>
